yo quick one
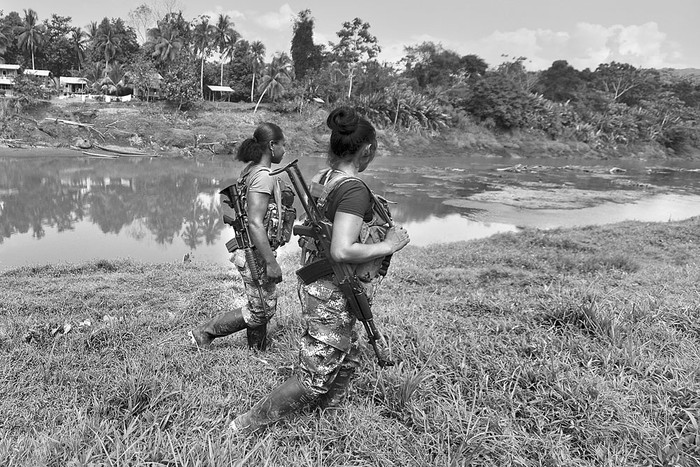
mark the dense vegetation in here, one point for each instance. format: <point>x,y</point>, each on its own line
<point>550,348</point>
<point>614,105</point>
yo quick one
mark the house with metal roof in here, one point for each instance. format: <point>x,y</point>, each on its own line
<point>8,73</point>
<point>39,73</point>
<point>220,92</point>
<point>73,85</point>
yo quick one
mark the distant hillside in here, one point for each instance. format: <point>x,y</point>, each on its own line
<point>684,72</point>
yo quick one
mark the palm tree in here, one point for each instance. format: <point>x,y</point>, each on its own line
<point>167,43</point>
<point>257,54</point>
<point>78,38</point>
<point>31,33</point>
<point>224,39</point>
<point>5,33</point>
<point>108,42</point>
<point>91,31</point>
<point>202,42</point>
<point>278,74</point>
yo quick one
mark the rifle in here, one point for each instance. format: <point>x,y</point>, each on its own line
<point>242,236</point>
<point>347,281</point>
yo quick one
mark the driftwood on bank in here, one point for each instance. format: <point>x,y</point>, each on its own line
<point>102,156</point>
<point>122,151</point>
<point>89,126</point>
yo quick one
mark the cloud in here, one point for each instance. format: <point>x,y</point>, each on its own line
<point>585,46</point>
<point>277,20</point>
<point>234,15</point>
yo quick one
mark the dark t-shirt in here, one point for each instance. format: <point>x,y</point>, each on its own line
<point>352,197</point>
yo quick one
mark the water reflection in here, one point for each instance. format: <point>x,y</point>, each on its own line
<point>75,209</point>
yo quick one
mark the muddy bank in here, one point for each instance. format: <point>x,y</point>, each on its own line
<point>215,129</point>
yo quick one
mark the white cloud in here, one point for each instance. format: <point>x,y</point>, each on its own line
<point>277,20</point>
<point>321,39</point>
<point>586,46</point>
<point>234,15</point>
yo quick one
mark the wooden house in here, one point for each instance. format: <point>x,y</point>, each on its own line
<point>44,77</point>
<point>150,89</point>
<point>70,85</point>
<point>8,72</point>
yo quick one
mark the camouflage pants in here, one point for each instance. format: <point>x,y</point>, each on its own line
<point>329,342</point>
<point>254,313</point>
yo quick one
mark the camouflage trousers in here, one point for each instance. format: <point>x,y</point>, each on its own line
<point>254,313</point>
<point>329,341</point>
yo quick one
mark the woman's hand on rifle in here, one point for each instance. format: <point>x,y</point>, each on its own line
<point>274,271</point>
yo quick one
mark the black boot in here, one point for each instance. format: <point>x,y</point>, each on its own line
<point>338,390</point>
<point>220,326</point>
<point>289,397</point>
<point>257,337</point>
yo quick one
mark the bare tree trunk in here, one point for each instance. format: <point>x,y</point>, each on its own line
<point>201,77</point>
<point>252,86</point>
<point>261,96</point>
<point>221,80</point>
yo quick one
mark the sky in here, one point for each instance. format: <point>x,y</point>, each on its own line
<point>586,33</point>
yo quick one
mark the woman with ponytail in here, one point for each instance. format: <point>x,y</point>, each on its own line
<point>268,204</point>
<point>328,355</point>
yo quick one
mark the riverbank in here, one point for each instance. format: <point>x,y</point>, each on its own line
<point>563,347</point>
<point>214,129</point>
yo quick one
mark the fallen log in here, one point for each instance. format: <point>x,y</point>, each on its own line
<point>103,156</point>
<point>121,150</point>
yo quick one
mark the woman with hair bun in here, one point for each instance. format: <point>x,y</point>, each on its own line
<point>328,355</point>
<point>268,204</point>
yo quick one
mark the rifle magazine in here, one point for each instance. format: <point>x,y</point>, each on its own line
<point>314,271</point>
<point>232,245</point>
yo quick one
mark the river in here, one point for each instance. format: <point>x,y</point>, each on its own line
<point>71,209</point>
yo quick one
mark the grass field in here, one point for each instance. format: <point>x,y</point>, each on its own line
<point>555,348</point>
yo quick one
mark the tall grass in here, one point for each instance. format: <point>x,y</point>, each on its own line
<point>565,347</point>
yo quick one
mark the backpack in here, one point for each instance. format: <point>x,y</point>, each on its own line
<point>280,215</point>
<point>373,231</point>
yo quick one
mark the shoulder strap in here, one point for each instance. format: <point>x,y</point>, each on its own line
<point>328,183</point>
<point>277,193</point>
<point>251,170</point>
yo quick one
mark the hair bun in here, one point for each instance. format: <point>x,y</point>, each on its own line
<point>344,120</point>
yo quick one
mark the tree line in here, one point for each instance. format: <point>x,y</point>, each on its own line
<point>432,88</point>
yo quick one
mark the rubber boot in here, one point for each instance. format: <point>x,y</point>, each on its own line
<point>220,326</point>
<point>257,337</point>
<point>338,389</point>
<point>289,397</point>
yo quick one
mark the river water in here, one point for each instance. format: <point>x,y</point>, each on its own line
<point>56,207</point>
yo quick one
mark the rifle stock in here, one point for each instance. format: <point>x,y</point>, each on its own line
<point>348,283</point>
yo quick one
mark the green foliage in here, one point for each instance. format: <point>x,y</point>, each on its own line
<point>142,75</point>
<point>402,108</point>
<point>433,66</point>
<point>560,82</point>
<point>305,55</point>
<point>277,77</point>
<point>30,34</point>
<point>374,77</point>
<point>56,54</point>
<point>356,44</point>
<point>9,47</point>
<point>499,102</point>
<point>181,84</point>
<point>113,41</point>
<point>32,88</point>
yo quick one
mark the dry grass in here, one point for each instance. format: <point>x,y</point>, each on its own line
<point>567,347</point>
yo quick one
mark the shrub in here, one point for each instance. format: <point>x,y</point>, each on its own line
<point>402,108</point>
